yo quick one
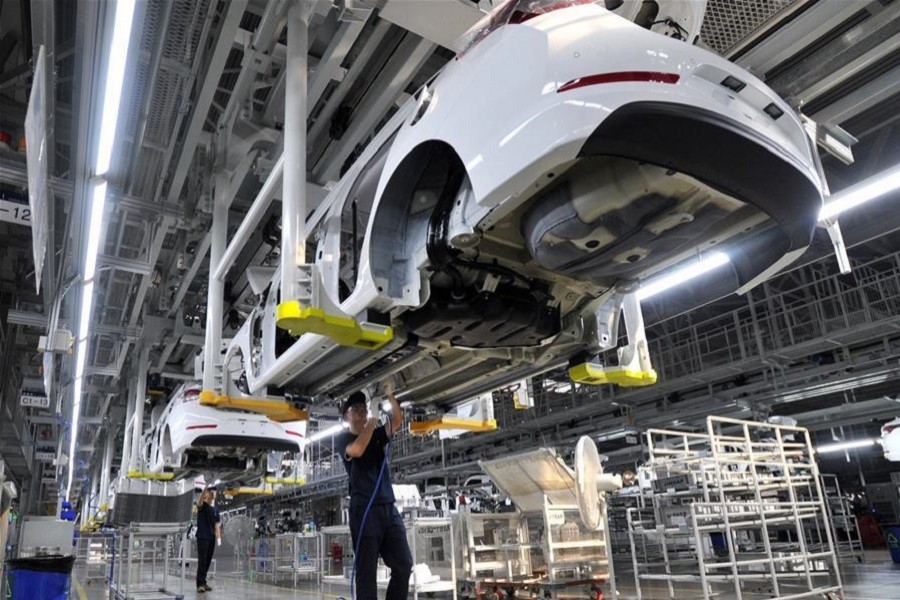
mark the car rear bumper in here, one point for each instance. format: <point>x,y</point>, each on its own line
<point>726,155</point>
<point>244,442</point>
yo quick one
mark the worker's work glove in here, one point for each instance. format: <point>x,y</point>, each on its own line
<point>218,541</point>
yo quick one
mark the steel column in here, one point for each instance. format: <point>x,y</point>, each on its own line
<point>140,393</point>
<point>215,296</point>
<point>250,222</point>
<point>293,216</point>
<point>106,471</point>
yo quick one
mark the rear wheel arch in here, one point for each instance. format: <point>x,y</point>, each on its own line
<point>405,207</point>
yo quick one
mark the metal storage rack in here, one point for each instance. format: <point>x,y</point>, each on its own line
<point>739,508</point>
<point>431,543</point>
<point>94,556</point>
<point>844,528</point>
<point>263,560</point>
<point>298,554</point>
<point>494,546</point>
<point>336,569</point>
<point>141,561</point>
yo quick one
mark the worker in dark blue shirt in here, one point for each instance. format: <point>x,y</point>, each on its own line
<point>362,447</point>
<point>209,533</point>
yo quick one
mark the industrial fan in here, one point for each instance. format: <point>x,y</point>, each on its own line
<point>238,532</point>
<point>591,482</point>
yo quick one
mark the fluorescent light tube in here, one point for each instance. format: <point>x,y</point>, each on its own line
<point>87,301</point>
<point>326,433</point>
<point>115,76</point>
<point>73,430</point>
<point>680,275</point>
<point>95,228</point>
<point>80,358</point>
<point>841,446</point>
<point>878,185</point>
<point>109,119</point>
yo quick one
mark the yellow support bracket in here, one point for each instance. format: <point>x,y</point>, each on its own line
<point>246,490</point>
<point>288,481</point>
<point>276,410</point>
<point>155,476</point>
<point>299,319</point>
<point>591,374</point>
<point>450,422</point>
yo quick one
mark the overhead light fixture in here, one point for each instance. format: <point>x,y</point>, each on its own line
<point>842,446</point>
<point>679,276</point>
<point>874,187</point>
<point>95,228</point>
<point>327,433</point>
<point>87,295</point>
<point>616,434</point>
<point>81,351</point>
<point>115,76</point>
<point>109,120</point>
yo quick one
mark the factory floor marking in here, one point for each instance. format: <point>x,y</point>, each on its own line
<point>82,595</point>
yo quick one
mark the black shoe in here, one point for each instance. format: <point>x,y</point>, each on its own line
<point>206,588</point>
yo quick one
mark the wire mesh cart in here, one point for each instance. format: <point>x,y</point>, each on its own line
<point>94,553</point>
<point>297,555</point>
<point>844,527</point>
<point>736,509</point>
<point>141,554</point>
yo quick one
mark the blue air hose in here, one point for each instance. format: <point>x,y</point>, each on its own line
<point>362,525</point>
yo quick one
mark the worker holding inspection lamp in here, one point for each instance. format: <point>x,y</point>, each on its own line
<point>376,526</point>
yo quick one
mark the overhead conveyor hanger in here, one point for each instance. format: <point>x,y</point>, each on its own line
<point>477,415</point>
<point>602,329</point>
<point>304,308</point>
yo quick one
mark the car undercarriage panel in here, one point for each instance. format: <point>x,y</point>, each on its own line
<point>508,316</point>
<point>249,444</point>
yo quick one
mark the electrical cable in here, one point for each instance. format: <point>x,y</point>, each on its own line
<point>362,525</point>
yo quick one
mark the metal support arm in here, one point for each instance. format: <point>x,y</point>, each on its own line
<point>634,368</point>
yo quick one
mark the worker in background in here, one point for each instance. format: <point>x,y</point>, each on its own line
<point>363,448</point>
<point>209,535</point>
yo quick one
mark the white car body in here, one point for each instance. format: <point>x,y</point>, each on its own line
<point>187,436</point>
<point>562,156</point>
<point>890,440</point>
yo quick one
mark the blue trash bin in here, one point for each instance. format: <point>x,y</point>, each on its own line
<point>40,577</point>
<point>892,536</point>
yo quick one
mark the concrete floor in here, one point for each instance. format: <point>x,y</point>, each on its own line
<point>877,579</point>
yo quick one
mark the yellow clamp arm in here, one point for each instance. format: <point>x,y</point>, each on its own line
<point>299,319</point>
<point>591,374</point>
<point>450,422</point>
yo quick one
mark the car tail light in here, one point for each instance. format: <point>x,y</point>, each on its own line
<point>296,433</point>
<point>619,77</point>
<point>191,427</point>
<point>889,428</point>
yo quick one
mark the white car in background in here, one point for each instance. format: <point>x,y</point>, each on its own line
<point>890,440</point>
<point>187,437</point>
<point>565,153</point>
